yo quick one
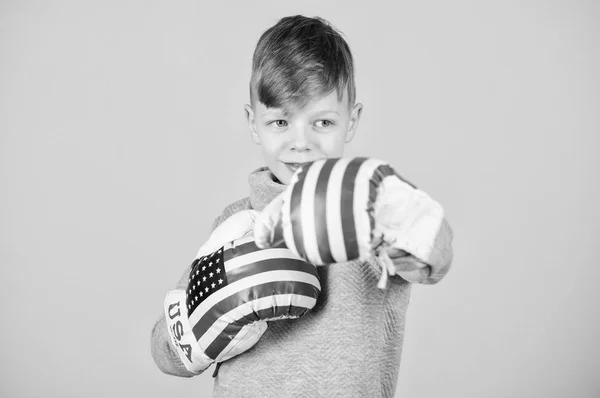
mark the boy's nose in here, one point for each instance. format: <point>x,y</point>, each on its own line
<point>299,139</point>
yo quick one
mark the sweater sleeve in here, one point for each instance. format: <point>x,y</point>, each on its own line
<point>242,204</point>
<point>163,352</point>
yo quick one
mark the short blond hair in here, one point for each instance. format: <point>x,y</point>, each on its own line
<point>299,58</point>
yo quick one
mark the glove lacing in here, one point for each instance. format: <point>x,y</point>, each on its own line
<point>387,267</point>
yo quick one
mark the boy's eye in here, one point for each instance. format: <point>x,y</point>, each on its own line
<point>324,123</point>
<point>279,123</point>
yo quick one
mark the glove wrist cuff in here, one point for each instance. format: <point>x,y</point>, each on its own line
<point>182,335</point>
<point>410,219</point>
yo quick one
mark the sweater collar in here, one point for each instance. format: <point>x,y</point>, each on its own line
<point>264,187</point>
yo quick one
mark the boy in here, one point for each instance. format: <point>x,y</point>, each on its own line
<point>302,108</point>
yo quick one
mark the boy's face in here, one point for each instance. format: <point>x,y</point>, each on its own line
<point>291,137</point>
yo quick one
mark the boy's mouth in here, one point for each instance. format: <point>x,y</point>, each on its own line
<point>294,166</point>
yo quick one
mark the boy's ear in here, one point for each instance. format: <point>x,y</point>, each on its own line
<point>354,119</point>
<point>251,126</point>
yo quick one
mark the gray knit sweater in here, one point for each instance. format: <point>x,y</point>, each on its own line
<point>348,345</point>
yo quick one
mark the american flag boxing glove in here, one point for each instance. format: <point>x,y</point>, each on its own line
<point>337,210</point>
<point>231,293</point>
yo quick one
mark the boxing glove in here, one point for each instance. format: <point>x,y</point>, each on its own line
<point>233,289</point>
<point>337,210</point>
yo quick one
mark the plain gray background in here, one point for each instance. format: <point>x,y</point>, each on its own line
<point>123,137</point>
